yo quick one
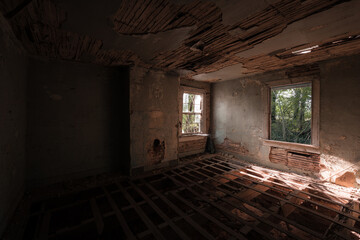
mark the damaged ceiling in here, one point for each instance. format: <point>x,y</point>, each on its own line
<point>202,40</point>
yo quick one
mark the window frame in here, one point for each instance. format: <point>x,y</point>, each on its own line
<point>197,91</point>
<point>315,114</point>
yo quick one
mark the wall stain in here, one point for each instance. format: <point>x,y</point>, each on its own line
<point>231,146</point>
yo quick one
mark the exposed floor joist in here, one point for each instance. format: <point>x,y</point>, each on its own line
<point>208,197</point>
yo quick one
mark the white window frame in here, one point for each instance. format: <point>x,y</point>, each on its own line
<point>197,91</point>
<point>315,115</point>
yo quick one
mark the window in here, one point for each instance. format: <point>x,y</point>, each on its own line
<point>192,113</point>
<point>291,113</point>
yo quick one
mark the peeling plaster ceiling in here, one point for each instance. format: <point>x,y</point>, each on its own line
<point>226,73</point>
<point>93,18</point>
<point>203,40</point>
<point>335,21</point>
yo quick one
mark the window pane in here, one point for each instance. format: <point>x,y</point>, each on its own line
<point>197,99</point>
<point>191,123</point>
<point>191,102</point>
<point>197,118</point>
<point>192,106</point>
<point>291,114</point>
<point>185,107</point>
<point>197,108</point>
<point>185,98</point>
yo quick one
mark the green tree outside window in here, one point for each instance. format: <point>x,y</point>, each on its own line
<point>291,114</point>
<point>192,113</point>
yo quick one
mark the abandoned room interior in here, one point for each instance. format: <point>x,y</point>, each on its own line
<point>179,119</point>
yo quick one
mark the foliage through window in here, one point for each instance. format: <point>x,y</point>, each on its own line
<point>291,113</point>
<point>191,113</point>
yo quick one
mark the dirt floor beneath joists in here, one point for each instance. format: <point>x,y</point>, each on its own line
<point>206,197</point>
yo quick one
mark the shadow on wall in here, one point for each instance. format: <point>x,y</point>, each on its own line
<point>119,115</point>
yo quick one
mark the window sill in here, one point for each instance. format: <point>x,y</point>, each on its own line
<point>192,137</point>
<point>292,146</point>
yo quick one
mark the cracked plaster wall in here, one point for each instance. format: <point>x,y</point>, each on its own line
<point>153,116</point>
<point>238,108</point>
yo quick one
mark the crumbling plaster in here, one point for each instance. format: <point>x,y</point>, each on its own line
<point>227,73</point>
<point>153,116</point>
<point>239,107</point>
<point>340,117</point>
<point>118,32</point>
<point>335,21</point>
<point>95,20</point>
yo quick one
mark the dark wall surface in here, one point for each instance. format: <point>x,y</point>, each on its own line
<point>13,65</point>
<point>239,107</point>
<point>78,120</point>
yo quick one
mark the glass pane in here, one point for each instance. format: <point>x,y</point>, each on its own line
<point>198,103</point>
<point>191,102</point>
<point>291,114</point>
<point>185,107</point>
<point>190,124</point>
<point>197,108</point>
<point>198,99</point>
<point>197,118</point>
<point>185,98</point>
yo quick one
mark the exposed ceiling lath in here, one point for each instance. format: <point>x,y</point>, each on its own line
<point>335,47</point>
<point>210,46</point>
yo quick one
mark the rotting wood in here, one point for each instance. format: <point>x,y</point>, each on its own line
<point>287,209</point>
<point>119,216</point>
<point>221,46</point>
<point>251,192</point>
<point>97,215</point>
<point>231,215</point>
<point>344,45</point>
<point>149,16</point>
<point>260,181</point>
<point>307,209</point>
<point>306,199</point>
<point>161,213</point>
<point>141,213</point>
<point>297,159</point>
<point>178,211</point>
<point>266,212</point>
<point>209,197</point>
<point>38,27</point>
<point>356,215</point>
<point>227,229</point>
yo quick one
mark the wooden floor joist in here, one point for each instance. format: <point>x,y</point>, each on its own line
<point>247,200</point>
<point>209,197</point>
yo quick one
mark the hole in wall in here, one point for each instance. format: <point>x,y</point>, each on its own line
<point>301,154</point>
<point>156,145</point>
<point>157,152</point>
